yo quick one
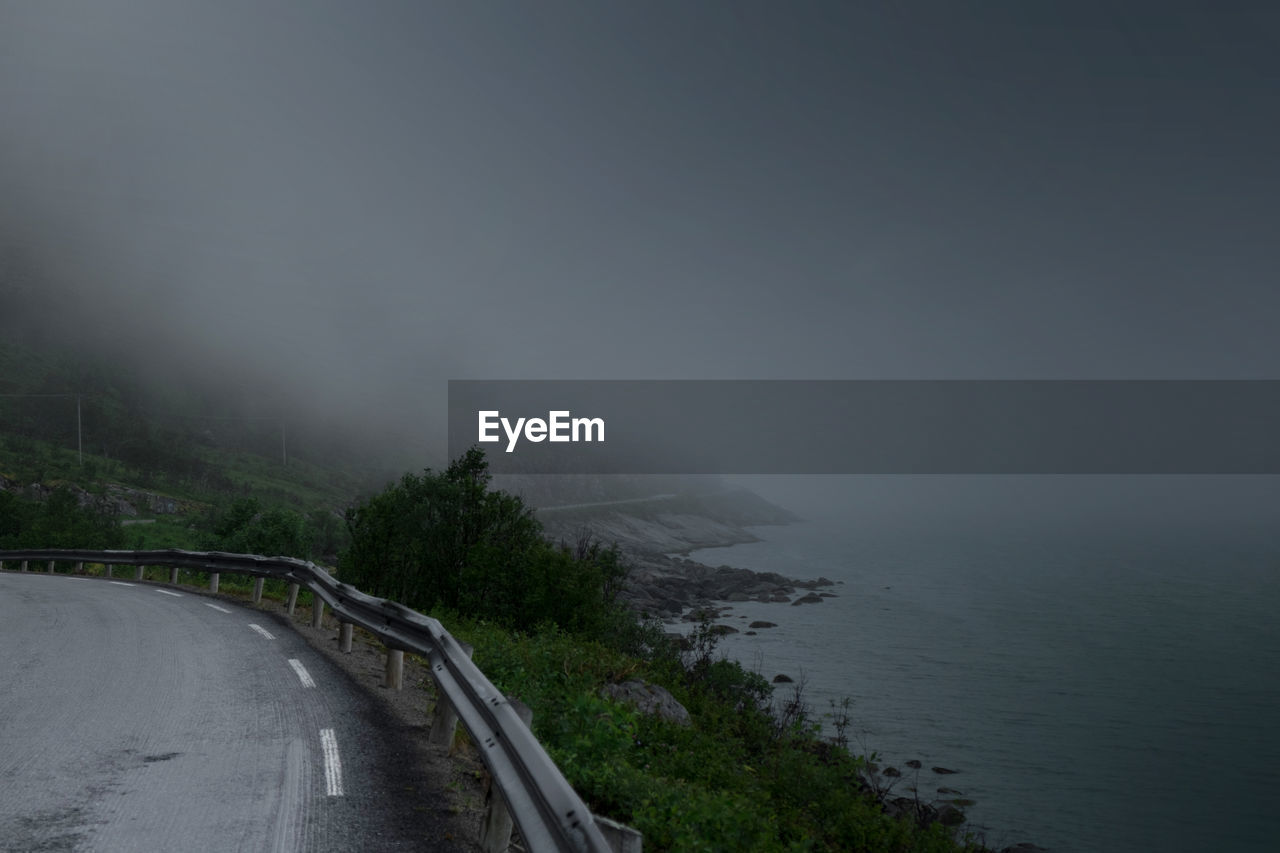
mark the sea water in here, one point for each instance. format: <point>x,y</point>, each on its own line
<point>1099,682</point>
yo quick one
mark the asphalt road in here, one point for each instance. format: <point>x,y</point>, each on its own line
<point>134,719</point>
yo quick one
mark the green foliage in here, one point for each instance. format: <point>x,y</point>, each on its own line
<point>58,522</point>
<point>730,781</point>
<point>447,540</point>
<point>166,532</point>
<point>246,528</point>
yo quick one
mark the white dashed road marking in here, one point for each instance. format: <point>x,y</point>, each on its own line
<point>121,583</point>
<point>166,592</point>
<point>332,764</point>
<point>217,608</point>
<point>303,675</point>
<point>263,631</point>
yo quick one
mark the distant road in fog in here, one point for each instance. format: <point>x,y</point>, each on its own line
<point>649,499</point>
<point>137,717</point>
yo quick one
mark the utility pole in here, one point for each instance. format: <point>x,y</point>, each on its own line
<point>284,448</point>
<point>79,434</point>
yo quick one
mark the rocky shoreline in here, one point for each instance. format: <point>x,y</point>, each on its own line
<point>671,587</point>
<point>656,535</point>
<point>656,538</point>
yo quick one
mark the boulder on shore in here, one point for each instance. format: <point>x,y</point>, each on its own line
<point>949,815</point>
<point>648,699</point>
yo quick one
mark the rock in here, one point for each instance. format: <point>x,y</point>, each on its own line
<point>648,699</point>
<point>949,791</point>
<point>900,807</point>
<point>925,814</point>
<point>739,596</point>
<point>892,772</point>
<point>811,598</point>
<point>949,815</point>
<point>760,623</point>
<point>721,630</point>
<point>749,634</point>
<point>682,642</point>
<point>1024,847</point>
<point>941,770</point>
<point>828,595</point>
<point>915,763</point>
<point>782,679</point>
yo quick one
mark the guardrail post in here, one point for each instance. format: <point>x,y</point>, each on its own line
<point>137,574</point>
<point>395,669</point>
<point>173,575</point>
<point>621,838</point>
<point>317,611</point>
<point>79,568</point>
<point>344,637</point>
<point>495,833</point>
<point>213,581</point>
<point>109,568</point>
<point>293,598</point>
<point>445,722</point>
<point>24,565</point>
<point>257,589</point>
<point>51,567</point>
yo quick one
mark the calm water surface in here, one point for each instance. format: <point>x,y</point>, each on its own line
<point>1098,688</point>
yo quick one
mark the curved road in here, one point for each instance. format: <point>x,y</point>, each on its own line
<point>134,717</point>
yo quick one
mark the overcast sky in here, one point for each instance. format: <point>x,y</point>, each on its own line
<point>359,200</point>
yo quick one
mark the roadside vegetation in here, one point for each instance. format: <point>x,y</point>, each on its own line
<point>59,521</point>
<point>746,771</point>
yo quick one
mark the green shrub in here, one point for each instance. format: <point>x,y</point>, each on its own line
<point>732,780</point>
<point>246,528</point>
<point>57,522</point>
<point>445,540</point>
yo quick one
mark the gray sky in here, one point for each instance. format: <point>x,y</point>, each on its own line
<point>354,202</point>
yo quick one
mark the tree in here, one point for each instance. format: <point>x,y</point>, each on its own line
<point>246,528</point>
<point>446,540</point>
<point>59,522</point>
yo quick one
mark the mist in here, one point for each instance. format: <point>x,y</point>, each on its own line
<point>334,208</point>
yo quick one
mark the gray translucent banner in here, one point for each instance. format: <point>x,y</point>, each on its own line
<point>871,427</point>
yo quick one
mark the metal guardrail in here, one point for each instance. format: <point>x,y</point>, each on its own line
<point>550,814</point>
